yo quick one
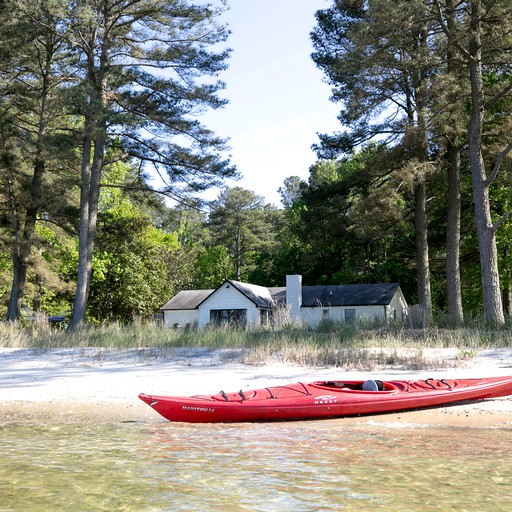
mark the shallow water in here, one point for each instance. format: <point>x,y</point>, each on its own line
<point>297,466</point>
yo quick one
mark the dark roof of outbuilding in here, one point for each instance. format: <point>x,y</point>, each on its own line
<point>186,299</point>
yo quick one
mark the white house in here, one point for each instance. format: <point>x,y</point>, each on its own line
<point>249,305</point>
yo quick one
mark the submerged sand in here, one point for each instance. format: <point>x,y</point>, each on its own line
<point>75,384</point>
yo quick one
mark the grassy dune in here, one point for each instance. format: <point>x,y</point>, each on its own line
<point>332,345</point>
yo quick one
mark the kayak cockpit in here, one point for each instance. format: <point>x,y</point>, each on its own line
<point>371,386</point>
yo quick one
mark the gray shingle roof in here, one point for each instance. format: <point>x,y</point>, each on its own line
<point>186,299</point>
<point>341,295</point>
<point>278,294</point>
<point>258,294</point>
<point>348,295</point>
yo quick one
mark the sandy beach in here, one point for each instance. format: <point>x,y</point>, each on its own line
<point>103,384</point>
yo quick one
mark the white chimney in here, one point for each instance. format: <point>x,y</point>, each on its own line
<point>294,296</point>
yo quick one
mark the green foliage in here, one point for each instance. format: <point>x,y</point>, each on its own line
<point>290,191</point>
<point>241,223</point>
<point>53,253</point>
<point>212,266</point>
<point>82,85</point>
<point>163,62</point>
<point>131,267</point>
<point>351,223</point>
<point>403,79</point>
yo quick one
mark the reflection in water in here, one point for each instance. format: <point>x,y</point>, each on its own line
<point>299,466</point>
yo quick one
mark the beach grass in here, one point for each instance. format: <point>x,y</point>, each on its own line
<point>349,346</point>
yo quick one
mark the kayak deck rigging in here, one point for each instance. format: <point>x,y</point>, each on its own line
<point>300,389</point>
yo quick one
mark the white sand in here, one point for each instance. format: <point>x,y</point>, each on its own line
<point>65,380</point>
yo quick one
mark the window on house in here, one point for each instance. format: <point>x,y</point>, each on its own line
<point>350,316</point>
<point>325,314</point>
<point>265,317</point>
<point>235,317</point>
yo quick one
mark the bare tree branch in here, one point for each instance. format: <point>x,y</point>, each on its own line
<point>497,165</point>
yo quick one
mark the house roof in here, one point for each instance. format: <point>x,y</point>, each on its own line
<point>348,295</point>
<point>260,295</point>
<point>278,294</point>
<point>186,299</point>
<point>342,295</point>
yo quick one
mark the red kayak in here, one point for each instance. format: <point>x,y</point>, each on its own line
<point>325,399</point>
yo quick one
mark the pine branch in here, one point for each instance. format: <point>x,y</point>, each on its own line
<point>500,221</point>
<point>498,97</point>
<point>165,193</point>
<point>497,165</point>
<point>446,30</point>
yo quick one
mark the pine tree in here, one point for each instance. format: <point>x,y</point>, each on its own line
<point>482,36</point>
<point>33,71</point>
<point>376,55</point>
<point>144,65</point>
<point>238,222</point>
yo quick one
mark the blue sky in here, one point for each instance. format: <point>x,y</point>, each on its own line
<point>278,100</point>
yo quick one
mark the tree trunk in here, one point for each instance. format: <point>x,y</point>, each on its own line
<point>21,256</point>
<point>89,199</point>
<point>14,305</point>
<point>422,263</point>
<point>506,292</point>
<point>13,308</point>
<point>95,131</point>
<point>453,281</point>
<point>84,264</point>
<point>486,231</point>
<point>238,255</point>
<point>420,199</point>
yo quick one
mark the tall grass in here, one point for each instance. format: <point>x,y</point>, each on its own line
<point>144,335</point>
<point>349,346</point>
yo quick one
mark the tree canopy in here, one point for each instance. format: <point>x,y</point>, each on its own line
<point>400,71</point>
<point>103,159</point>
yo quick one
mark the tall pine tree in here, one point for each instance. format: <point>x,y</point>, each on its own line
<point>376,56</point>
<point>144,66</point>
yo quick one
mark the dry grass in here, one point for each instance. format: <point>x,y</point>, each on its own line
<point>338,346</point>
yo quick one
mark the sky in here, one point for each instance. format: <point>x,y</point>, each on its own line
<point>278,101</point>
